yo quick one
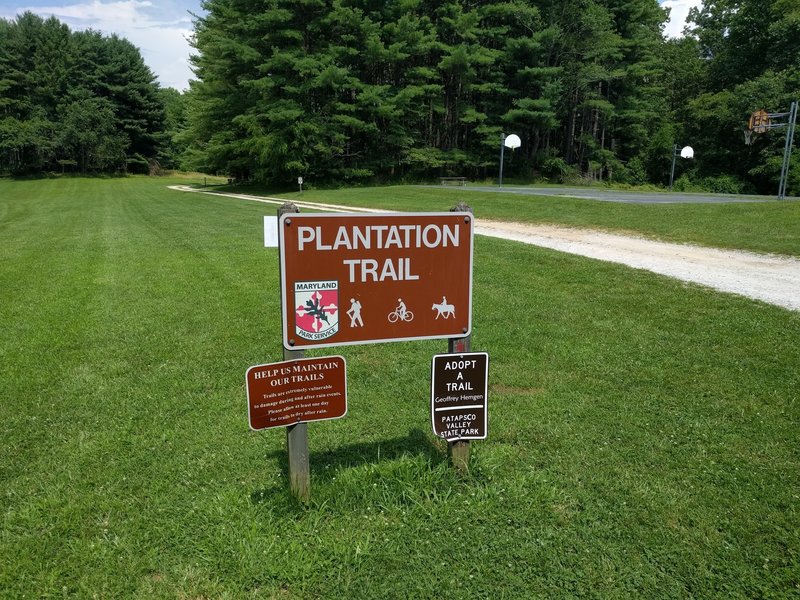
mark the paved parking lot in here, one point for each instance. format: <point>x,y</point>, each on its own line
<point>608,195</point>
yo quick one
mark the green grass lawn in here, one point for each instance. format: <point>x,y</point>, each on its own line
<point>762,227</point>
<point>643,437</point>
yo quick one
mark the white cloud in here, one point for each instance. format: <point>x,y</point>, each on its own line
<point>161,35</point>
<point>679,10</point>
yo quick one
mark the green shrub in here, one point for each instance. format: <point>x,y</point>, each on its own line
<point>556,169</point>
<point>633,172</point>
<point>684,184</point>
<point>723,184</point>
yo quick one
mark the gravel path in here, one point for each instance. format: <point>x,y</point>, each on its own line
<point>772,279</point>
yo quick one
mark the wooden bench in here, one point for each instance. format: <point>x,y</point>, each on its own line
<point>457,180</point>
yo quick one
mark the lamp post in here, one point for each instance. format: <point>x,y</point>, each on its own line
<point>686,152</point>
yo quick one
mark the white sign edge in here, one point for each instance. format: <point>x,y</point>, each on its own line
<point>270,232</point>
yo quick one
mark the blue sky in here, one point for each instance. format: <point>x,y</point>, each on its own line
<point>679,10</point>
<point>161,28</point>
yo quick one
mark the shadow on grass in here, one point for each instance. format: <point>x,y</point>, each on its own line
<point>417,442</point>
<point>325,466</point>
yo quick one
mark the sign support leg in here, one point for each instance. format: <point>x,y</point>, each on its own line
<point>458,451</point>
<point>459,455</point>
<point>297,448</point>
<point>297,435</point>
<point>299,471</point>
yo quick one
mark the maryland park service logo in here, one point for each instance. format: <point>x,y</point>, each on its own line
<point>317,309</point>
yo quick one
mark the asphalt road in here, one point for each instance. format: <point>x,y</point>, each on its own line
<point>607,195</point>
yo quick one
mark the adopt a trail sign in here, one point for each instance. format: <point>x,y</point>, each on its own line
<point>362,278</point>
<point>459,396</point>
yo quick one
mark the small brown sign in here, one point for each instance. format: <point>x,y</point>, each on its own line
<point>357,279</point>
<point>296,391</point>
<point>459,395</point>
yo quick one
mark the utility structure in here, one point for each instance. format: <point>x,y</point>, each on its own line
<point>760,122</point>
<point>686,152</point>
<point>512,141</point>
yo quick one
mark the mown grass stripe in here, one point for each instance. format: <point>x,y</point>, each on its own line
<point>643,433</point>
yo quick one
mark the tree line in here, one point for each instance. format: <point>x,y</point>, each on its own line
<point>351,90</point>
<point>366,90</point>
<point>76,101</point>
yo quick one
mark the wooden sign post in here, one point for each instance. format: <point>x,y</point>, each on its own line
<point>296,435</point>
<point>459,449</point>
<point>297,447</point>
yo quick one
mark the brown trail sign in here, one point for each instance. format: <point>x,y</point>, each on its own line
<point>296,391</point>
<point>357,279</point>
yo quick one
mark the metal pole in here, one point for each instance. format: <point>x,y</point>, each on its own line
<point>458,451</point>
<point>296,435</point>
<point>502,151</point>
<point>791,142</point>
<point>672,172</point>
<point>787,151</point>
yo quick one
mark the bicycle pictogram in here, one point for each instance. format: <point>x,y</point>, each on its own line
<point>401,313</point>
